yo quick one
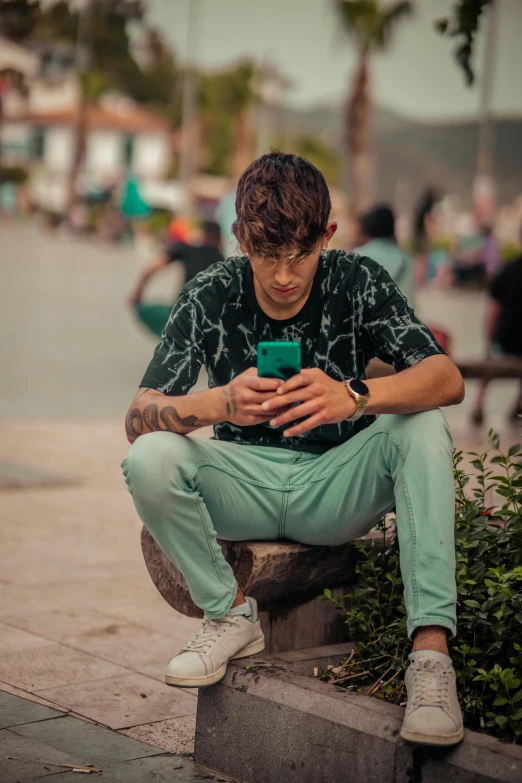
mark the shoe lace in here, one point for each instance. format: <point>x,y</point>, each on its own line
<point>209,632</point>
<point>432,684</point>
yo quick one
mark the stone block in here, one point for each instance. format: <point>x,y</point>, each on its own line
<point>304,730</point>
<point>280,575</point>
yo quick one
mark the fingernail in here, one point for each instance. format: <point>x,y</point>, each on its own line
<point>264,406</point>
<point>280,390</point>
<point>273,423</point>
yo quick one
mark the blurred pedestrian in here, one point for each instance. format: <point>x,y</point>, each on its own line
<point>194,258</point>
<point>377,238</point>
<point>225,215</point>
<point>477,257</point>
<point>503,328</point>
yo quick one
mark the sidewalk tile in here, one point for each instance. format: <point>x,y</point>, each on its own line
<point>174,736</point>
<point>6,688</point>
<point>160,769</point>
<point>126,701</point>
<point>13,640</point>
<point>54,665</point>
<point>15,711</point>
<point>86,742</point>
<point>30,756</point>
<point>103,636</point>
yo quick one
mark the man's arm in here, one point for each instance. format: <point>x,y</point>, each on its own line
<point>435,382</point>
<point>239,402</point>
<point>155,266</point>
<point>152,411</point>
<point>432,383</point>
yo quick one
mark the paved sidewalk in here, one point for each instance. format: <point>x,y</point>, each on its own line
<point>82,627</point>
<point>38,742</point>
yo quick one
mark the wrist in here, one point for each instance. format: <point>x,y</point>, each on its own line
<point>349,403</point>
<point>218,405</point>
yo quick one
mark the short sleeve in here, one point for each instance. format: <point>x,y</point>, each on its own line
<point>176,252</point>
<point>177,360</point>
<point>391,330</point>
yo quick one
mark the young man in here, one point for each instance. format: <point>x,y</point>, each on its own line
<point>323,472</point>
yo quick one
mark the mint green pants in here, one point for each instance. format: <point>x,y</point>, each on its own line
<point>189,491</point>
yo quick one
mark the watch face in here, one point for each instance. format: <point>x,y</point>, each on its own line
<point>359,387</point>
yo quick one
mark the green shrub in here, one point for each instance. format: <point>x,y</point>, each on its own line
<point>487,652</point>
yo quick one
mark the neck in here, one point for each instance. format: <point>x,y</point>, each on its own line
<point>279,312</point>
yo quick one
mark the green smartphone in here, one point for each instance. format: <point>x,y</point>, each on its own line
<point>278,359</point>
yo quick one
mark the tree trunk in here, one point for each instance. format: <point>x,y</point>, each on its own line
<point>358,136</point>
<point>80,147</point>
<point>243,151</point>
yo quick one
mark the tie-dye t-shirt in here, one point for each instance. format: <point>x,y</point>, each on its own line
<point>354,312</point>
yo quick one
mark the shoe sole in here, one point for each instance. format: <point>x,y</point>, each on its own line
<point>211,679</point>
<point>432,739</point>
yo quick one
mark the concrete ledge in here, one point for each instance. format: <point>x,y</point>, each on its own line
<point>273,724</point>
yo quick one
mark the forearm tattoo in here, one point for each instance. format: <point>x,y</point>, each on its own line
<point>151,416</point>
<point>230,394</point>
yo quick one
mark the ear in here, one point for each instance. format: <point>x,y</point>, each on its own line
<point>331,228</point>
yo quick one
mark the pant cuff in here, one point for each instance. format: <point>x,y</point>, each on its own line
<point>420,622</point>
<point>219,613</point>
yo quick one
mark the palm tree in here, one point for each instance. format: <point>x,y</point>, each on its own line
<point>370,23</point>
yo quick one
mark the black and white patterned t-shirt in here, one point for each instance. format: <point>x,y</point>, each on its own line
<point>354,312</point>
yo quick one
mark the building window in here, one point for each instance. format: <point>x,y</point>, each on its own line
<point>128,150</point>
<point>38,143</point>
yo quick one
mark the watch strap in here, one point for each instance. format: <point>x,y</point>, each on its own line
<point>361,401</point>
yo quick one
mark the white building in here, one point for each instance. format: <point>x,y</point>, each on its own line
<point>38,129</point>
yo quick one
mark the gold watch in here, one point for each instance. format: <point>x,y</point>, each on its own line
<point>361,394</point>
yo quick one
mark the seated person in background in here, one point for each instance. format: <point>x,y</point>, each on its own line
<point>195,259</point>
<point>320,473</point>
<point>476,257</point>
<point>503,328</point>
<point>377,240</point>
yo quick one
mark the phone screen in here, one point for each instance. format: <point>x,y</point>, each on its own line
<point>280,359</point>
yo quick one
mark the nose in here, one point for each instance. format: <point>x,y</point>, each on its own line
<point>283,275</point>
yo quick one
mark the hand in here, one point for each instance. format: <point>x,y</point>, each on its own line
<point>323,400</point>
<point>244,397</point>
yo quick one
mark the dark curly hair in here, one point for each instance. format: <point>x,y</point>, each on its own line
<point>282,206</point>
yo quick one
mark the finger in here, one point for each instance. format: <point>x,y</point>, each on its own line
<point>262,384</point>
<point>301,379</point>
<point>300,395</point>
<point>249,396</point>
<point>295,412</point>
<point>304,426</point>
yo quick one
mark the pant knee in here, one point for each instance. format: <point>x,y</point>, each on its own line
<point>425,430</point>
<point>152,466</point>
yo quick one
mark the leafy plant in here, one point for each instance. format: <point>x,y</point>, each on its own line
<point>487,652</point>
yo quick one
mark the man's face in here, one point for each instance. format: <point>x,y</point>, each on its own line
<point>286,283</point>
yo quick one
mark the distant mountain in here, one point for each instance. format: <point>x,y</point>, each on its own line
<point>411,155</point>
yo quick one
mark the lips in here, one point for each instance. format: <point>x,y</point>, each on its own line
<point>285,291</point>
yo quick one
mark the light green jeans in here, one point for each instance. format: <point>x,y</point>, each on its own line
<point>189,491</point>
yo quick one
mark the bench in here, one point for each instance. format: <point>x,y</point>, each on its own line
<point>285,578</point>
<point>490,369</point>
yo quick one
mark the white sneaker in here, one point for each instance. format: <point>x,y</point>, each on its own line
<point>203,660</point>
<point>433,715</point>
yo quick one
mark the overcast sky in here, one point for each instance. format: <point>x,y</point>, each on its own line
<point>416,77</point>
